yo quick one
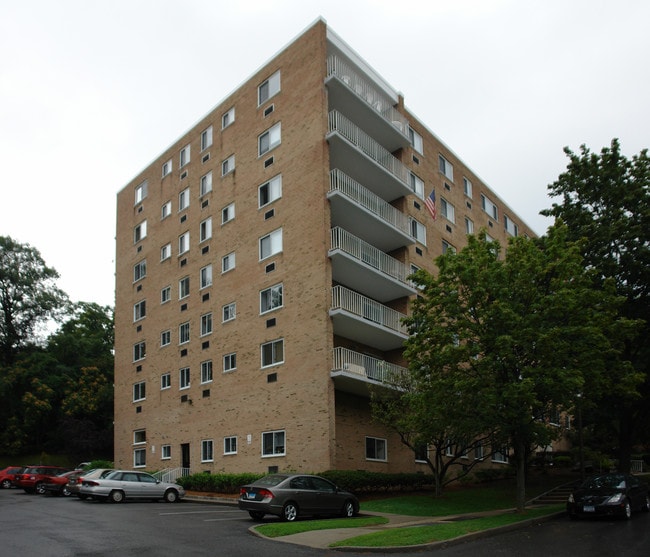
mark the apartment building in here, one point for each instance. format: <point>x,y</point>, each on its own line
<point>262,269</point>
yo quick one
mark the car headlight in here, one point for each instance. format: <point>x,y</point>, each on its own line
<point>614,499</point>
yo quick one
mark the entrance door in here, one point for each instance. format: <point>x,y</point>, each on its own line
<point>185,455</point>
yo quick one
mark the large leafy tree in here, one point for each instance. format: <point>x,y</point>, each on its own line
<point>28,296</point>
<point>511,338</point>
<point>604,199</point>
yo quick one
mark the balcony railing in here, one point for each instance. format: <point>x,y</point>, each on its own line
<point>339,181</point>
<point>365,367</point>
<point>362,306</point>
<point>379,102</point>
<point>367,145</point>
<point>369,254</point>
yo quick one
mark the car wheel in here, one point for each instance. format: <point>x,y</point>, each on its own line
<point>6,484</point>
<point>171,496</point>
<point>627,511</point>
<point>256,515</point>
<point>116,496</point>
<point>348,509</point>
<point>40,488</point>
<point>290,512</point>
<point>646,506</point>
<point>65,491</point>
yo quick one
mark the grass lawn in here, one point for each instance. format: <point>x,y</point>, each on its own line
<point>276,529</point>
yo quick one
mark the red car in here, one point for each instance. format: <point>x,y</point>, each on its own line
<point>33,478</point>
<point>8,476</point>
<point>59,485</point>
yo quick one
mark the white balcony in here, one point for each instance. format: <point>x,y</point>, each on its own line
<point>357,373</point>
<point>367,216</point>
<point>361,157</point>
<point>352,94</point>
<point>366,269</point>
<point>362,319</point>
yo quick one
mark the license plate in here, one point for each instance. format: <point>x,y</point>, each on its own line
<point>589,509</point>
<point>251,495</point>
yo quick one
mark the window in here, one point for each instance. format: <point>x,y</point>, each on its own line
<point>375,449</point>
<point>183,288</point>
<point>273,443</point>
<point>183,243</point>
<point>446,246</point>
<point>140,270</point>
<point>205,229</point>
<point>500,454</point>
<point>165,452</point>
<point>139,310</point>
<point>270,139</point>
<point>230,445</point>
<point>270,191</point>
<point>140,232</point>
<point>228,165</point>
<point>184,157</point>
<point>418,231</point>
<point>206,324</point>
<point>206,138</point>
<point>140,192</point>
<point>139,351</point>
<point>273,353</point>
<point>416,140</point>
<point>184,378</point>
<point>421,452</point>
<point>206,371</point>
<point>417,185</point>
<point>229,362</point>
<point>478,452</point>
<point>184,199</point>
<point>469,226</point>
<point>165,338</point>
<point>139,436</point>
<point>139,391</point>
<point>511,227</point>
<point>445,167</point>
<point>167,168</point>
<point>165,381</point>
<point>184,333</point>
<point>206,276</point>
<point>139,458</point>
<point>165,294</point>
<point>205,183</point>
<point>165,252</point>
<point>467,187</point>
<point>271,298</point>
<point>229,311</point>
<point>271,244</point>
<point>268,88</point>
<point>228,262</point>
<point>166,210</point>
<point>228,118</point>
<point>447,210</point>
<point>227,213</point>
<point>207,454</point>
<point>489,207</point>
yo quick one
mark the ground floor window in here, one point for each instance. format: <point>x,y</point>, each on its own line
<point>273,443</point>
<point>500,454</point>
<point>375,449</point>
<point>139,458</point>
<point>207,453</point>
<point>166,452</point>
<point>230,445</point>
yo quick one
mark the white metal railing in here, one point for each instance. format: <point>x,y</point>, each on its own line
<point>369,254</point>
<point>170,475</point>
<point>379,102</point>
<point>366,144</point>
<point>636,466</point>
<point>358,304</point>
<point>341,182</point>
<point>364,366</point>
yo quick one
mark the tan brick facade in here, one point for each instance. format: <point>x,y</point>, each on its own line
<point>323,423</point>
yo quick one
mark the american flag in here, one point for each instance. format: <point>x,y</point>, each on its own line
<point>430,202</point>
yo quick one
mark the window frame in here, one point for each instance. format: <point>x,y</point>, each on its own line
<point>165,338</point>
<point>418,231</point>
<point>183,199</point>
<point>183,287</point>
<point>184,379</point>
<point>184,156</point>
<point>207,450</point>
<point>140,231</point>
<point>228,262</point>
<point>445,167</point>
<point>272,238</point>
<point>165,452</point>
<point>229,442</point>
<point>226,119</point>
<point>167,168</point>
<point>447,210</point>
<point>205,277</point>
<point>273,446</point>
<point>184,333</point>
<point>165,381</point>
<point>274,361</point>
<point>184,243</point>
<point>140,192</point>
<point>206,324</point>
<point>139,270</point>
<point>269,139</point>
<point>228,213</point>
<point>205,184</point>
<point>165,210</point>
<point>228,165</point>
<point>272,296</point>
<point>139,310</point>
<point>229,362</point>
<point>226,309</point>
<point>139,391</point>
<point>139,351</point>
<point>377,442</point>
<point>270,87</point>
<point>206,138</point>
<point>207,374</point>
<point>271,189</point>
<point>165,294</point>
<point>205,229</point>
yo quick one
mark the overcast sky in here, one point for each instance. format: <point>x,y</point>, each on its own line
<point>91,92</point>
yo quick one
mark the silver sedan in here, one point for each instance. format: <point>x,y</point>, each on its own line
<point>128,484</point>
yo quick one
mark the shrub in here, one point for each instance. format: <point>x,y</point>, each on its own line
<point>217,483</point>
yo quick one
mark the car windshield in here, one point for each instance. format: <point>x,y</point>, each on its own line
<point>610,481</point>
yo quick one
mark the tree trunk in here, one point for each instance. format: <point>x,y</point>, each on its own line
<point>520,464</point>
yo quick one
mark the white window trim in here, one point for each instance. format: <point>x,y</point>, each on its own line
<point>284,447</point>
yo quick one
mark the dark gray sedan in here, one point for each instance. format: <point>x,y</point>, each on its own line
<point>609,494</point>
<point>292,495</point>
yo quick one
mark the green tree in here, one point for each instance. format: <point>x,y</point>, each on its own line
<point>28,296</point>
<point>511,337</point>
<point>604,199</point>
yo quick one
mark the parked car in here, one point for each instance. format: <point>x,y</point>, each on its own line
<point>33,478</point>
<point>75,483</point>
<point>129,484</point>
<point>58,485</point>
<point>609,494</point>
<point>8,476</point>
<point>291,495</point>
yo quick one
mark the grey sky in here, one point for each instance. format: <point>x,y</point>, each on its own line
<point>91,92</point>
